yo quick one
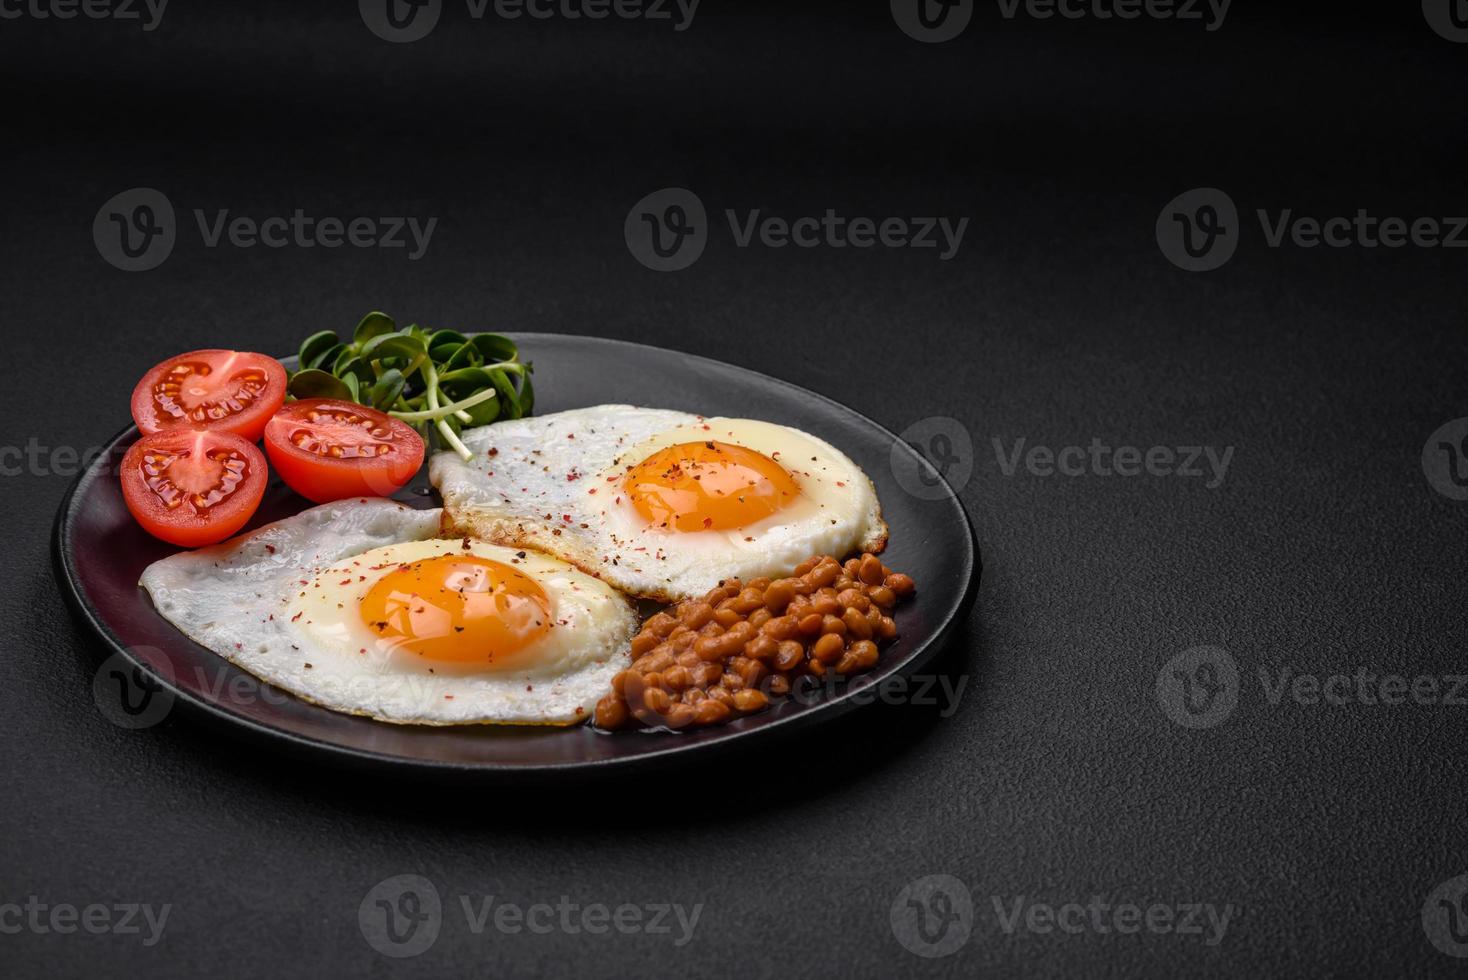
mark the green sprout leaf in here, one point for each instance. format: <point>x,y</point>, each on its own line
<point>324,359</point>
<point>439,337</point>
<point>442,352</point>
<point>313,383</point>
<point>466,380</point>
<point>511,407</point>
<point>483,413</point>
<point>394,345</point>
<point>439,381</point>
<point>527,393</point>
<point>316,345</point>
<point>348,363</point>
<point>493,347</point>
<point>462,356</point>
<point>372,325</point>
<point>387,389</point>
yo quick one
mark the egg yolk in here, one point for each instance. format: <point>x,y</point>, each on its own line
<point>708,486</point>
<point>459,609</point>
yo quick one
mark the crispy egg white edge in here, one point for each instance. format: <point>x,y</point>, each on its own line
<point>267,565</point>
<point>496,511</point>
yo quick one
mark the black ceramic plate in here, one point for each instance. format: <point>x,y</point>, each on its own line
<point>101,552</point>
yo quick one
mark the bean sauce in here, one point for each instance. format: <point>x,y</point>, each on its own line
<point>723,655</point>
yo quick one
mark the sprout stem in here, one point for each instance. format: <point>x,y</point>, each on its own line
<point>431,377</point>
<point>434,414</point>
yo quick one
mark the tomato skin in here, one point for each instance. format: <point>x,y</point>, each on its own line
<point>184,525</point>
<point>229,373</point>
<point>321,477</point>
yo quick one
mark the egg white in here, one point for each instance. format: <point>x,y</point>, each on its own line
<point>282,603</point>
<point>554,483</point>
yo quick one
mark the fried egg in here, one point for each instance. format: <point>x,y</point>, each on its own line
<point>360,607</point>
<point>661,504</point>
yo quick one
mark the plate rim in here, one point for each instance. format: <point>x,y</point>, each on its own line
<point>823,712</point>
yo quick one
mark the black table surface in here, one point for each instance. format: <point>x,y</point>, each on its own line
<point>1327,830</point>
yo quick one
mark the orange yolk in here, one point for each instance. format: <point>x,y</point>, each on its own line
<point>708,486</point>
<point>459,609</point>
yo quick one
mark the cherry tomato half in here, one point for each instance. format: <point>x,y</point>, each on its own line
<point>328,450</point>
<point>210,389</point>
<point>193,487</point>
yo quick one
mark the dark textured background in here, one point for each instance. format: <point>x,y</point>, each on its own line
<point>1059,777</point>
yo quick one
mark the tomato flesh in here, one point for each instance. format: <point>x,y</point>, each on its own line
<point>326,450</point>
<point>235,391</point>
<point>193,487</point>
